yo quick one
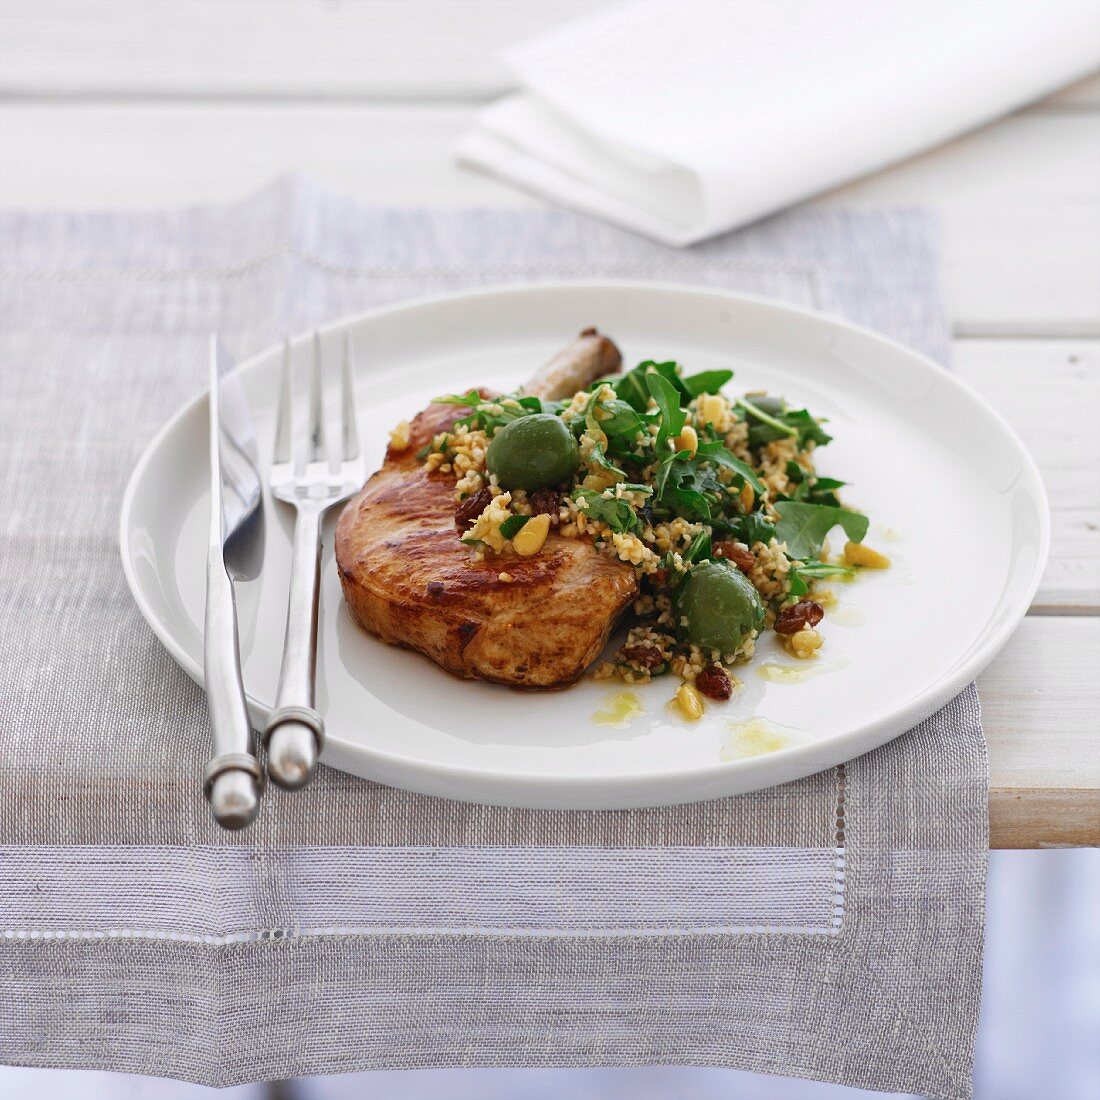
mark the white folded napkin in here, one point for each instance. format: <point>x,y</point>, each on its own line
<point>684,118</point>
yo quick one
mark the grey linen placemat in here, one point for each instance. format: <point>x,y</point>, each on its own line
<point>830,928</point>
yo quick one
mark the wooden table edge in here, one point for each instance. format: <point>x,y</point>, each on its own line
<point>1044,817</point>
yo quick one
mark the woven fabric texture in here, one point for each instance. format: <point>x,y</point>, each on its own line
<point>830,928</point>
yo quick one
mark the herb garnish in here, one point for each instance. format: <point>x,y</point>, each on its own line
<point>814,570</point>
<point>673,417</point>
<point>490,413</point>
<point>633,387</point>
<point>804,527</point>
<point>513,525</point>
<point>618,514</point>
<point>634,425</point>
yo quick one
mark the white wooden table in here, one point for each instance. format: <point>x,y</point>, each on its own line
<point>144,103</point>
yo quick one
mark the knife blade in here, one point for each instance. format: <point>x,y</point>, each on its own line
<point>232,777</point>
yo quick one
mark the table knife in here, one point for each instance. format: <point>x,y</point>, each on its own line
<point>232,779</point>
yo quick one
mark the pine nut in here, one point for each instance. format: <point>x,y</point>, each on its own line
<point>530,537</point>
<point>687,440</point>
<point>689,702</point>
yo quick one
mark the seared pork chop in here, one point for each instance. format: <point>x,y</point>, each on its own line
<point>408,579</point>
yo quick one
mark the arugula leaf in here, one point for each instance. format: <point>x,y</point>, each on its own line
<point>748,529</point>
<point>797,424</point>
<point>681,487</point>
<point>470,399</point>
<point>720,455</point>
<point>707,381</point>
<point>513,525</point>
<point>490,413</point>
<point>619,515</point>
<point>688,485</point>
<point>821,491</point>
<point>624,423</point>
<point>700,548</point>
<point>819,569</point>
<point>599,458</point>
<point>664,472</point>
<point>803,527</point>
<point>775,427</point>
<point>811,489</point>
<point>621,428</point>
<point>807,427</point>
<point>760,434</point>
<point>668,401</point>
<point>814,570</point>
<point>632,387</point>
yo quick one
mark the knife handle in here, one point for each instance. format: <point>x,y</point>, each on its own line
<point>295,732</point>
<point>232,778</point>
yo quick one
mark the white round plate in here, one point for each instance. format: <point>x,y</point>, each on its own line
<point>954,499</point>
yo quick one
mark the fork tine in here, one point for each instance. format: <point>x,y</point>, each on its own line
<point>316,404</point>
<point>349,427</point>
<point>284,418</point>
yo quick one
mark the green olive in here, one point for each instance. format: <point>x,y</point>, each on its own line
<point>720,604</point>
<point>533,452</point>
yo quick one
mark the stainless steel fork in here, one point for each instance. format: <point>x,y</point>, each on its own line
<point>312,482</point>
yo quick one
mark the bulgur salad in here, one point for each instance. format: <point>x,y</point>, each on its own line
<point>711,497</point>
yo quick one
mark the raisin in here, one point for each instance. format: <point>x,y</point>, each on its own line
<point>645,656</point>
<point>660,577</point>
<point>435,588</point>
<point>792,619</point>
<point>469,509</point>
<point>544,502</point>
<point>714,683</point>
<point>742,557</point>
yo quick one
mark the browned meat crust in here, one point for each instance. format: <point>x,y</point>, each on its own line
<point>409,581</point>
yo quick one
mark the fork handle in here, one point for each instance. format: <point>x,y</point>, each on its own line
<point>295,732</point>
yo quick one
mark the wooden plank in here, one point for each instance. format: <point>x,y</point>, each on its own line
<point>1019,201</point>
<point>1044,818</point>
<point>286,48</point>
<point>1041,713</point>
<point>1050,392</point>
<point>258,48</point>
<point>1041,706</point>
<point>1020,208</point>
<point>171,153</point>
